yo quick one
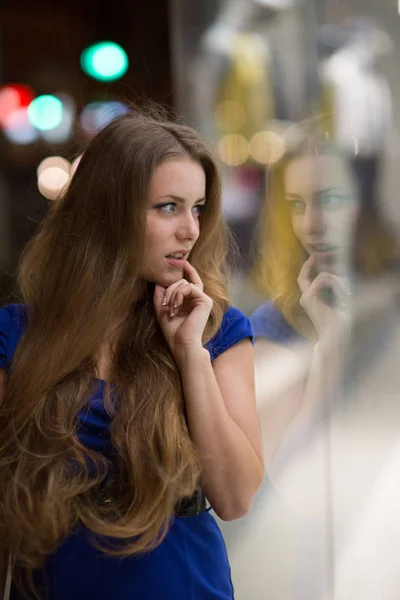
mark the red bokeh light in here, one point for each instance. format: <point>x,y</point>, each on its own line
<point>12,98</point>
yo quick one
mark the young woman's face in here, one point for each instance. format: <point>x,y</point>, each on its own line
<point>176,198</point>
<point>324,208</point>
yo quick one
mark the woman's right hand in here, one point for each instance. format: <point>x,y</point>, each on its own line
<point>329,319</point>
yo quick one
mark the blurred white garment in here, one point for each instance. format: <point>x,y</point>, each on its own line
<point>362,102</point>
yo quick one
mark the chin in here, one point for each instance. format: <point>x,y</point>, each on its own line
<point>165,279</point>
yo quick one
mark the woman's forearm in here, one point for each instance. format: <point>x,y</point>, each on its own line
<point>232,470</point>
<point>324,380</point>
<point>323,384</point>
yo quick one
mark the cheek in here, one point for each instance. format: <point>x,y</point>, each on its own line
<point>151,241</point>
<point>297,226</point>
<point>155,233</point>
<point>343,223</point>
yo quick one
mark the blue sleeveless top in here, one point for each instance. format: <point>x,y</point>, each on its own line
<point>190,564</point>
<point>269,322</point>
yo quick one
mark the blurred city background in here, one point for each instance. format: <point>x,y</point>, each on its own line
<point>248,74</point>
<point>242,72</point>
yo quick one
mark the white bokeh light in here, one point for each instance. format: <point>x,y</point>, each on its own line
<point>18,129</point>
<point>52,182</point>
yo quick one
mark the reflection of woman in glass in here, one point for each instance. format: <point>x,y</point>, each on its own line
<point>306,264</point>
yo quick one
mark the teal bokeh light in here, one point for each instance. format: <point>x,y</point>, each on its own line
<point>45,112</point>
<point>105,61</point>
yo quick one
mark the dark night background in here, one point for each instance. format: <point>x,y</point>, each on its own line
<point>40,45</point>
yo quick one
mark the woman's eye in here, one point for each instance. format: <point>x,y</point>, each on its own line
<point>198,209</point>
<point>331,200</point>
<point>297,205</point>
<point>170,207</point>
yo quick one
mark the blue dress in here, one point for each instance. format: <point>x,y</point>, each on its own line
<point>268,322</point>
<point>190,564</point>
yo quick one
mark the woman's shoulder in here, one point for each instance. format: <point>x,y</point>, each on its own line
<point>235,326</point>
<point>13,314</point>
<point>268,322</point>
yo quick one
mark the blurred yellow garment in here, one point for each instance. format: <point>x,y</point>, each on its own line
<point>326,110</point>
<point>246,99</point>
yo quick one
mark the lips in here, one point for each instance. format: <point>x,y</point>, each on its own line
<point>176,262</point>
<point>178,258</point>
<point>178,254</point>
<point>322,248</point>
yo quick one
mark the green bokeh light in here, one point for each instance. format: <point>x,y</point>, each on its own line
<point>105,61</point>
<point>45,112</point>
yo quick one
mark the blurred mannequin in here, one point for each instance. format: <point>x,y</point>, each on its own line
<point>362,117</point>
<point>241,80</point>
<point>363,110</point>
<point>244,35</point>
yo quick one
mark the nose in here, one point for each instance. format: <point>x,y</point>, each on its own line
<point>313,221</point>
<point>188,228</point>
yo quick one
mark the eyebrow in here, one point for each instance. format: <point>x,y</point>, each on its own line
<point>317,193</point>
<point>178,198</point>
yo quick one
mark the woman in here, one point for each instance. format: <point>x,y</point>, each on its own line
<point>127,381</point>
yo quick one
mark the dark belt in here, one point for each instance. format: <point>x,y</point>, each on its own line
<point>187,507</point>
<point>192,506</point>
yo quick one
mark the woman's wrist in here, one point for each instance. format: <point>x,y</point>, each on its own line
<point>333,338</point>
<point>185,355</point>
<point>328,359</point>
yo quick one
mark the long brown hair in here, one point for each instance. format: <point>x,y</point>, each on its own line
<point>78,276</point>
